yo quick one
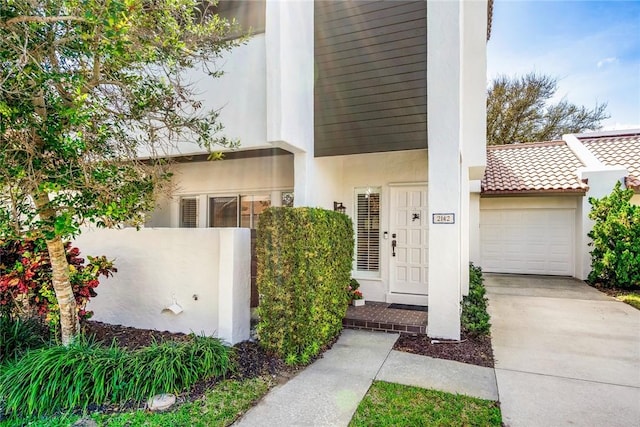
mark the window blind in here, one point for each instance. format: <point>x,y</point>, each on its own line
<point>189,212</point>
<point>368,232</point>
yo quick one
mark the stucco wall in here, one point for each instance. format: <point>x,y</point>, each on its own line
<point>205,271</point>
<point>635,200</point>
<point>240,94</point>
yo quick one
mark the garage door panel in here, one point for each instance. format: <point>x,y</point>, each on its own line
<point>528,241</point>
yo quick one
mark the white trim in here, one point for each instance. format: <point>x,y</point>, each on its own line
<point>582,152</point>
<point>407,184</point>
<point>602,133</point>
<point>228,192</point>
<point>411,299</point>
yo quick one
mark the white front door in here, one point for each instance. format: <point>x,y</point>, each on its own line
<point>409,229</point>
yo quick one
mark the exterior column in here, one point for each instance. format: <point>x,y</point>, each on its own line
<point>445,175</point>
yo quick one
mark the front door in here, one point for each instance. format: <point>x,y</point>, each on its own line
<point>409,229</point>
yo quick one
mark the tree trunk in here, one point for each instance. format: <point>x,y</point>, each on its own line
<point>69,324</point>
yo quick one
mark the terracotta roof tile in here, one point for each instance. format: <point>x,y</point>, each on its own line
<point>618,150</point>
<point>532,168</point>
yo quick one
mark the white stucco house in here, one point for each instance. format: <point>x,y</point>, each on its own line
<point>534,200</point>
<point>375,106</point>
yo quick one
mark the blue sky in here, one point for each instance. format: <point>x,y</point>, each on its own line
<point>592,47</point>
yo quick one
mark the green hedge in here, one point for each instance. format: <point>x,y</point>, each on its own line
<point>615,258</point>
<point>304,267</point>
<point>475,318</point>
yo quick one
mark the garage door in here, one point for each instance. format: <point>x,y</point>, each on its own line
<point>527,241</point>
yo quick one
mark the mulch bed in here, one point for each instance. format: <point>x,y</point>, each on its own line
<point>252,360</point>
<point>473,350</point>
<point>613,292</point>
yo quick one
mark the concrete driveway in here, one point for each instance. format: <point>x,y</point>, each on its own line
<point>565,353</point>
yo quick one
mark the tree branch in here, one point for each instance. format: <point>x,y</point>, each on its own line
<point>41,19</point>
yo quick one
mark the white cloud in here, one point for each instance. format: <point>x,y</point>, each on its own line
<point>605,61</point>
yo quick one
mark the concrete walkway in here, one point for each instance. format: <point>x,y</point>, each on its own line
<point>565,353</point>
<point>328,392</point>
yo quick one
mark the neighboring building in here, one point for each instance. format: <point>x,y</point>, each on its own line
<point>375,105</point>
<point>534,203</point>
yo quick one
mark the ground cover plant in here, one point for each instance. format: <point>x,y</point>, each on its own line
<point>18,335</point>
<point>210,401</point>
<point>220,406</point>
<point>304,267</point>
<point>84,373</point>
<point>388,404</point>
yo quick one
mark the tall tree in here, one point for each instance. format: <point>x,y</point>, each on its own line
<point>88,88</point>
<point>518,110</point>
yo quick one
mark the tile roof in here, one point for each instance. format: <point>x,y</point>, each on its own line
<point>617,150</point>
<point>532,168</point>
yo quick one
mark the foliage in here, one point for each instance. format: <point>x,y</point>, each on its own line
<point>89,88</point>
<point>59,378</point>
<point>221,405</point>
<point>519,110</point>
<point>475,318</point>
<point>304,261</point>
<point>25,280</point>
<point>19,335</point>
<point>388,404</point>
<point>353,290</point>
<point>615,258</point>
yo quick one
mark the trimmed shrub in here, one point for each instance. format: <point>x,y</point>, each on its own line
<point>61,378</point>
<point>475,318</point>
<point>304,267</point>
<point>19,335</point>
<point>615,258</point>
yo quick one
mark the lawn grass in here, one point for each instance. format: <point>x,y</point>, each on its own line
<point>631,298</point>
<point>220,406</point>
<point>387,404</point>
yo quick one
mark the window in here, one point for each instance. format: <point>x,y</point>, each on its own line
<point>368,230</point>
<point>250,209</point>
<point>249,14</point>
<point>188,212</point>
<point>223,211</point>
<point>237,211</point>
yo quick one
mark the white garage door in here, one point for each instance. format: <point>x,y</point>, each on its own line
<point>528,241</point>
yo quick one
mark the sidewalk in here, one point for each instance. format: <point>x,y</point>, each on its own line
<point>328,392</point>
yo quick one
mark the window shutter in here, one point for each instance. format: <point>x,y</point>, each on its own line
<point>368,232</point>
<point>188,213</point>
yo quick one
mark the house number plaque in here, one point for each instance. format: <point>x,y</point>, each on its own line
<point>444,218</point>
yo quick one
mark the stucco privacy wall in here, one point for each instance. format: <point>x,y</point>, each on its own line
<point>205,271</point>
<point>223,177</point>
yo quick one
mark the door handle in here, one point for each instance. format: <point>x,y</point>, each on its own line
<point>393,247</point>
